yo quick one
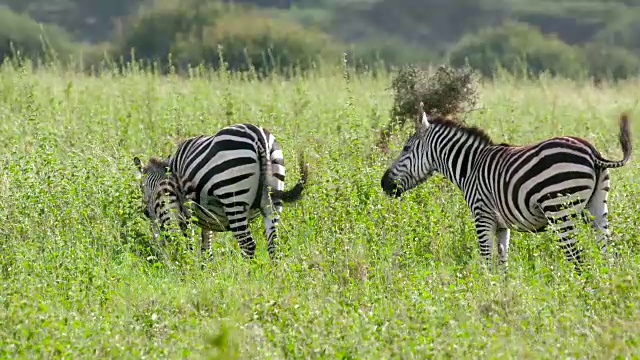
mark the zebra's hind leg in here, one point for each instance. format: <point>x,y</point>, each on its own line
<point>568,242</point>
<point>239,225</point>
<point>597,207</point>
<point>565,218</point>
<point>271,209</point>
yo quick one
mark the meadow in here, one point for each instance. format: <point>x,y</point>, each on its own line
<point>363,276</point>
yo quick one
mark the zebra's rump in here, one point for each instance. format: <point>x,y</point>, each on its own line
<point>533,182</point>
<point>533,213</point>
<point>226,173</point>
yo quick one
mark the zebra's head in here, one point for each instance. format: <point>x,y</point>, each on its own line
<point>151,174</point>
<point>413,166</point>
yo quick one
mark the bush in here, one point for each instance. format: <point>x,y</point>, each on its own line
<point>193,33</point>
<point>254,41</point>
<point>153,32</point>
<point>447,92</point>
<point>20,33</point>
<point>517,48</point>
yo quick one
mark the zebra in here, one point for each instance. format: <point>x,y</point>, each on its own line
<point>508,187</point>
<point>227,178</point>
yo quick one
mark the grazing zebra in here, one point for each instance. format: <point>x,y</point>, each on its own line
<point>520,188</point>
<point>227,178</point>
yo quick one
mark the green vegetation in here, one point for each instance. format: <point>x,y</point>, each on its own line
<point>362,276</point>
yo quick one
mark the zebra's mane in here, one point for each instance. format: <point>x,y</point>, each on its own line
<point>470,130</point>
<point>156,164</point>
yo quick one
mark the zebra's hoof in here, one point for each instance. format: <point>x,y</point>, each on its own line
<point>249,257</point>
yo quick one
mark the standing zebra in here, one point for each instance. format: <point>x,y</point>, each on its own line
<point>229,178</point>
<point>522,188</point>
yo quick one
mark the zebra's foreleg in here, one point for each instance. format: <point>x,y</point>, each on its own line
<point>206,242</point>
<point>502,238</point>
<point>485,228</point>
<point>157,233</point>
<point>185,235</point>
<point>271,209</point>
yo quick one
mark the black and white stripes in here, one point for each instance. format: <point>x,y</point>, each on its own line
<point>521,188</point>
<point>228,179</point>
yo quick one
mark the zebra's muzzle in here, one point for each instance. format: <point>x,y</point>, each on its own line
<point>390,185</point>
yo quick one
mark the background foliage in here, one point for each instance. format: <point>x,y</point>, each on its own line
<point>571,38</point>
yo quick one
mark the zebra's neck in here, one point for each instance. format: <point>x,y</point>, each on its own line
<point>456,150</point>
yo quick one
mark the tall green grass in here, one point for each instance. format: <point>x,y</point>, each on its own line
<point>363,276</point>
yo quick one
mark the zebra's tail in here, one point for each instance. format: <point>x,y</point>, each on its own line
<point>625,143</point>
<point>295,193</point>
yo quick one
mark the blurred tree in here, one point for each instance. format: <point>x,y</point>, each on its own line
<point>574,22</point>
<point>193,30</point>
<point>611,62</point>
<point>20,33</point>
<point>517,48</point>
<point>153,31</point>
<point>282,4</point>
<point>625,32</point>
<point>91,20</point>
<point>434,23</point>
<point>250,40</point>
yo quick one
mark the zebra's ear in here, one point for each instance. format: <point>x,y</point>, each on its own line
<point>425,121</point>
<point>422,121</point>
<point>138,163</point>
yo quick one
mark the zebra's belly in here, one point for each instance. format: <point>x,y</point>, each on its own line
<point>534,222</point>
<point>536,227</point>
<point>211,215</point>
<point>531,209</point>
<point>212,218</point>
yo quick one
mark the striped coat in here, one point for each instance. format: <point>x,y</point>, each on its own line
<point>228,179</point>
<point>520,188</point>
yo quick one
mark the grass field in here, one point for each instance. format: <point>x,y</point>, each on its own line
<point>363,276</point>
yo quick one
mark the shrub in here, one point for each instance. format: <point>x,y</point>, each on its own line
<point>255,41</point>
<point>152,33</point>
<point>447,92</point>
<point>517,48</point>
<point>193,32</point>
